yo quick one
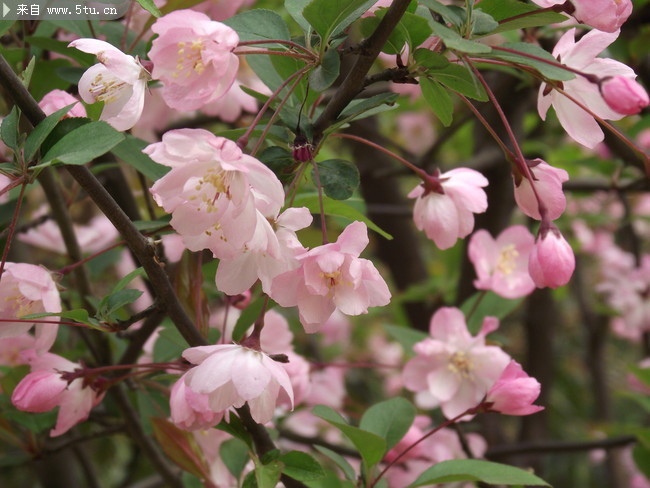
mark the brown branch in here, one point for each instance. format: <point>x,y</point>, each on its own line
<point>556,447</point>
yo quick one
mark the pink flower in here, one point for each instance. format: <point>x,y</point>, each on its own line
<point>548,184</point>
<point>446,213</point>
<point>231,375</point>
<point>45,388</point>
<point>298,369</point>
<point>57,99</point>
<point>332,277</point>
<point>514,392</point>
<point>624,95</point>
<point>453,369</point>
<point>220,10</point>
<point>604,15</point>
<point>27,289</point>
<point>551,261</point>
<point>213,191</point>
<point>193,57</point>
<point>501,264</point>
<point>118,80</point>
<point>190,410</point>
<point>581,55</point>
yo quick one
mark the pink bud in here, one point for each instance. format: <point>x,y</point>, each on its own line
<point>551,262</point>
<point>624,95</point>
<point>39,391</point>
<point>604,15</point>
<point>514,392</point>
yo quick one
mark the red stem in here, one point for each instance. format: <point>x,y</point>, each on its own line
<point>277,41</point>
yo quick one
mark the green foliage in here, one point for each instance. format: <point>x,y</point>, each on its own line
<point>9,129</point>
<point>267,475</point>
<point>150,7</point>
<point>323,75</point>
<point>339,460</point>
<point>180,447</point>
<point>506,9</point>
<point>390,420</point>
<point>476,470</point>
<point>41,131</point>
<point>301,466</point>
<point>438,100</point>
<point>249,315</point>
<point>461,79</point>
<point>412,30</point>
<point>338,177</point>
<point>259,24</point>
<point>455,41</point>
<point>130,151</point>
<point>406,336</point>
<point>330,17</point>
<point>490,305</point>
<point>546,69</point>
<point>235,455</point>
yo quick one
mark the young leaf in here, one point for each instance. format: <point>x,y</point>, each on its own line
<point>459,79</point>
<point>339,460</point>
<point>505,9</point>
<point>483,24</point>
<point>235,455</point>
<point>438,99</point>
<point>476,470</point>
<point>329,17</point>
<point>41,131</point>
<point>339,178</point>
<point>371,447</point>
<point>454,40</point>
<point>249,315</point>
<point>390,420</point>
<point>150,7</point>
<point>450,15</point>
<point>429,59</point>
<point>336,208</point>
<point>9,129</point>
<point>115,301</point>
<point>326,72</point>
<point>267,475</point>
<point>406,336</point>
<point>180,447</point>
<point>411,30</point>
<point>546,69</point>
<point>259,24</point>
<point>74,147</point>
<point>295,8</point>
<point>491,305</point>
<point>301,466</point>
<point>130,151</point>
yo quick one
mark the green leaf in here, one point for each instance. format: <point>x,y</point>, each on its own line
<point>454,40</point>
<point>390,420</point>
<point>115,301</point>
<point>504,9</point>
<point>35,422</point>
<point>476,470</point>
<point>642,374</point>
<point>339,460</point>
<point>483,23</point>
<point>60,47</point>
<point>5,25</point>
<point>180,447</point>
<point>406,336</point>
<point>279,160</point>
<point>641,456</point>
<point>9,129</point>
<point>250,315</point>
<point>453,16</point>
<point>337,208</point>
<point>267,475</point>
<point>338,177</point>
<point>76,147</point>
<point>130,151</point>
<point>26,75</point>
<point>323,75</point>
<point>330,17</point>
<point>128,279</point>
<point>459,79</point>
<point>295,8</point>
<point>491,305</point>
<point>169,345</point>
<point>371,447</point>
<point>429,59</point>
<point>235,455</point>
<point>438,100</point>
<point>150,7</point>
<point>46,77</point>
<point>235,428</point>
<point>411,30</point>
<point>546,69</point>
<point>358,109</point>
<point>259,24</point>
<point>42,130</point>
<point>301,466</point>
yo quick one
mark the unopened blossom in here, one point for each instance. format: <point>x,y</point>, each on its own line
<point>332,277</point>
<point>446,212</point>
<point>27,289</point>
<point>580,125</point>
<point>514,392</point>
<point>501,264</point>
<point>547,181</point>
<point>57,99</point>
<point>624,95</point>
<point>46,387</point>
<point>231,375</point>
<point>604,15</point>
<point>190,410</point>
<point>213,191</point>
<point>551,262</point>
<point>453,369</point>
<point>118,80</point>
<point>193,57</point>
<point>270,252</point>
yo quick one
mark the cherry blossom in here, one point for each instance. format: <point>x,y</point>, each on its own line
<point>446,213</point>
<point>501,264</point>
<point>26,289</point>
<point>332,277</point>
<point>604,15</point>
<point>46,388</point>
<point>231,375</point>
<point>190,410</point>
<point>118,80</point>
<point>548,185</point>
<point>624,95</point>
<point>213,190</point>
<point>57,99</point>
<point>193,57</point>
<point>551,262</point>
<point>453,369</point>
<point>514,392</point>
<point>581,55</point>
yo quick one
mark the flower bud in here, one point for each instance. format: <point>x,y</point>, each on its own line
<point>551,262</point>
<point>624,95</point>
<point>514,392</point>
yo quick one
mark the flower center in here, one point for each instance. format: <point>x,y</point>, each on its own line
<point>460,364</point>
<point>189,58</point>
<point>506,261</point>
<point>332,279</point>
<point>104,90</point>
